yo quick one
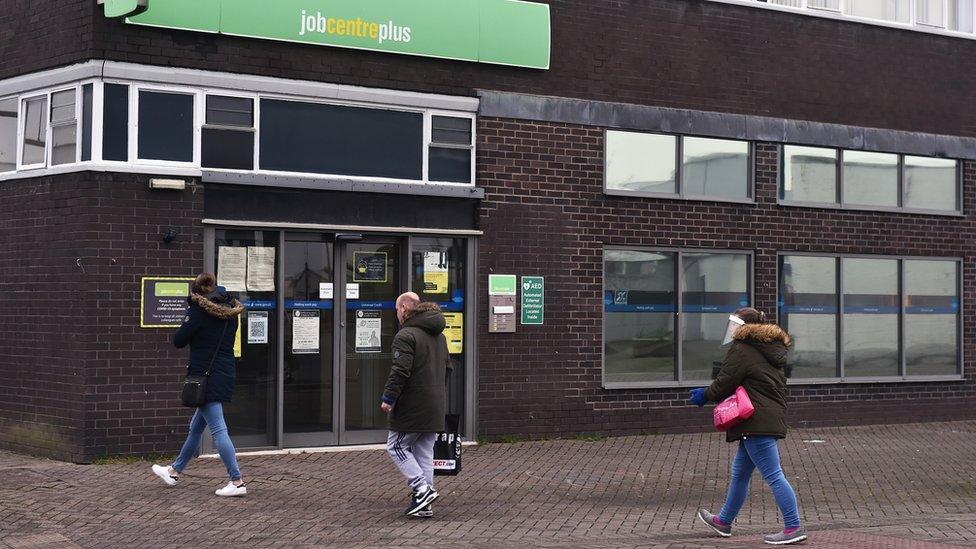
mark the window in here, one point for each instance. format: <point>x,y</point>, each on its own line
<point>808,311</point>
<point>883,10</point>
<point>931,317</point>
<point>8,135</point>
<point>228,133</point>
<point>86,121</point>
<point>931,183</point>
<point>930,12</point>
<point>932,15</point>
<point>64,127</point>
<point>833,5</point>
<point>900,317</point>
<point>165,126</point>
<point>449,154</point>
<point>715,167</point>
<point>809,174</point>
<point>642,292</point>
<point>961,15</point>
<point>341,140</point>
<point>115,123</point>
<point>870,179</point>
<point>645,163</point>
<point>35,132</point>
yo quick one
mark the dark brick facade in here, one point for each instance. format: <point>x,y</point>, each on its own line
<point>80,378</point>
<point>545,214</point>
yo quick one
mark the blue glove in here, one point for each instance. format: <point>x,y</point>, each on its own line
<point>698,397</point>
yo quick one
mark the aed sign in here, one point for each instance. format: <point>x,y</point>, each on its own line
<point>503,32</point>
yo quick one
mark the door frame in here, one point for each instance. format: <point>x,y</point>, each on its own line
<point>469,414</point>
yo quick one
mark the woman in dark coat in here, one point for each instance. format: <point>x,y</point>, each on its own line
<point>209,329</point>
<point>755,361</point>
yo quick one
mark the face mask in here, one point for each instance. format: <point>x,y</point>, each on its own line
<point>734,324</point>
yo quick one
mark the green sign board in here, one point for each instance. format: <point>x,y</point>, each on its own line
<point>502,285</point>
<point>533,301</point>
<point>503,32</point>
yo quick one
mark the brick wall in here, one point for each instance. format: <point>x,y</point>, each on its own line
<point>81,379</point>
<point>41,34</point>
<point>545,214</point>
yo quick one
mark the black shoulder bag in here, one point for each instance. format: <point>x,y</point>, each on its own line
<point>194,394</point>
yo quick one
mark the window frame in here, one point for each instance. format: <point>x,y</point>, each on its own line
<point>135,90</point>
<point>78,105</point>
<point>255,127</point>
<point>676,318</point>
<point>841,205</point>
<point>679,149</point>
<point>429,115</point>
<point>16,163</point>
<point>22,130</point>
<point>903,376</point>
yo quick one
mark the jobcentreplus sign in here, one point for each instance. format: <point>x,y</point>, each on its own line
<point>358,28</point>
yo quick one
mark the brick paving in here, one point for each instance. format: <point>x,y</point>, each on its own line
<point>881,486</point>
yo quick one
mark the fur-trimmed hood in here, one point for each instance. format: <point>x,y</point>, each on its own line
<point>769,339</point>
<point>428,316</point>
<point>218,304</point>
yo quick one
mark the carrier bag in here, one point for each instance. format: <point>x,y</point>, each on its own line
<point>733,410</point>
<point>447,447</point>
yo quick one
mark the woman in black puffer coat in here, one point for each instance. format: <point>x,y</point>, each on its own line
<point>209,329</point>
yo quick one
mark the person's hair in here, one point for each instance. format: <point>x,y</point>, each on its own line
<point>750,315</point>
<point>204,284</point>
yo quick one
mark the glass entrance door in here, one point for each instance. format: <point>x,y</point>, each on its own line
<point>371,277</point>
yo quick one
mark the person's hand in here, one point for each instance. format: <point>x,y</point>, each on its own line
<point>386,407</point>
<point>698,397</point>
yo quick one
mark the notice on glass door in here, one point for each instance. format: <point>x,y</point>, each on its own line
<point>232,268</point>
<point>435,272</point>
<point>369,327</point>
<point>257,327</point>
<point>260,269</point>
<point>369,267</point>
<point>305,332</point>
<point>454,332</point>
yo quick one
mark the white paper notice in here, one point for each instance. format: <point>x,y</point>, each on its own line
<point>325,290</point>
<point>435,272</point>
<point>257,327</point>
<point>260,269</point>
<point>305,332</point>
<point>369,327</point>
<point>231,267</point>
<point>352,291</point>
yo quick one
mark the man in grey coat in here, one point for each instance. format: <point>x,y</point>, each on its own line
<point>415,397</point>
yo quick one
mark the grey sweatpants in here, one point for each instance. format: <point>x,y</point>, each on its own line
<point>413,454</point>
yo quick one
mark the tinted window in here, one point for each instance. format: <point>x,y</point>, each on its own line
<point>871,312</point>
<point>165,126</point>
<point>870,178</point>
<point>8,135</point>
<point>715,168</point>
<point>931,183</point>
<point>641,162</point>
<point>931,317</point>
<point>809,174</point>
<point>230,111</point>
<point>714,286</point>
<point>86,121</point>
<point>115,123</point>
<point>227,149</point>
<point>808,311</point>
<point>450,165</point>
<point>340,140</point>
<point>450,130</point>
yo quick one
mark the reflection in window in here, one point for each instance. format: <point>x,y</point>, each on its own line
<point>809,174</point>
<point>870,178</point>
<point>714,285</point>
<point>165,126</point>
<point>715,168</point>
<point>87,101</point>
<point>961,15</point>
<point>931,183</point>
<point>8,135</point>
<point>64,127</point>
<point>884,10</point>
<point>930,12</point>
<point>931,317</point>
<point>641,162</point>
<point>35,131</point>
<point>640,302</point>
<point>871,312</point>
<point>808,312</point>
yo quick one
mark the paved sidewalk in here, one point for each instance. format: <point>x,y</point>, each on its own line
<point>879,486</point>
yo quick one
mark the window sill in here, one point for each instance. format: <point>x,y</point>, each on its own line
<point>866,209</point>
<point>682,198</point>
<point>610,385</point>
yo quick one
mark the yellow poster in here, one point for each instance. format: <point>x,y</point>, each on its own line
<point>238,352</point>
<point>454,332</point>
<point>435,272</point>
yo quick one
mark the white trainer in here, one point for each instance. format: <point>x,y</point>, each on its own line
<point>164,473</point>
<point>230,490</point>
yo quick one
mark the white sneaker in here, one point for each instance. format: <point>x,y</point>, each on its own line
<point>230,490</point>
<point>163,473</point>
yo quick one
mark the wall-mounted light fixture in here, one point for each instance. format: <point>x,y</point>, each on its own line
<point>170,184</point>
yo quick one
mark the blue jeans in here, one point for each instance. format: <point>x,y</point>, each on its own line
<point>210,414</point>
<point>762,453</point>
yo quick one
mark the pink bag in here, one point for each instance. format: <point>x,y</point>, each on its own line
<point>733,410</point>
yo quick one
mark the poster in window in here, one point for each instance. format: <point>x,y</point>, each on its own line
<point>369,267</point>
<point>435,272</point>
<point>305,332</point>
<point>260,269</point>
<point>257,327</point>
<point>369,330</point>
<point>232,268</point>
<point>454,332</point>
